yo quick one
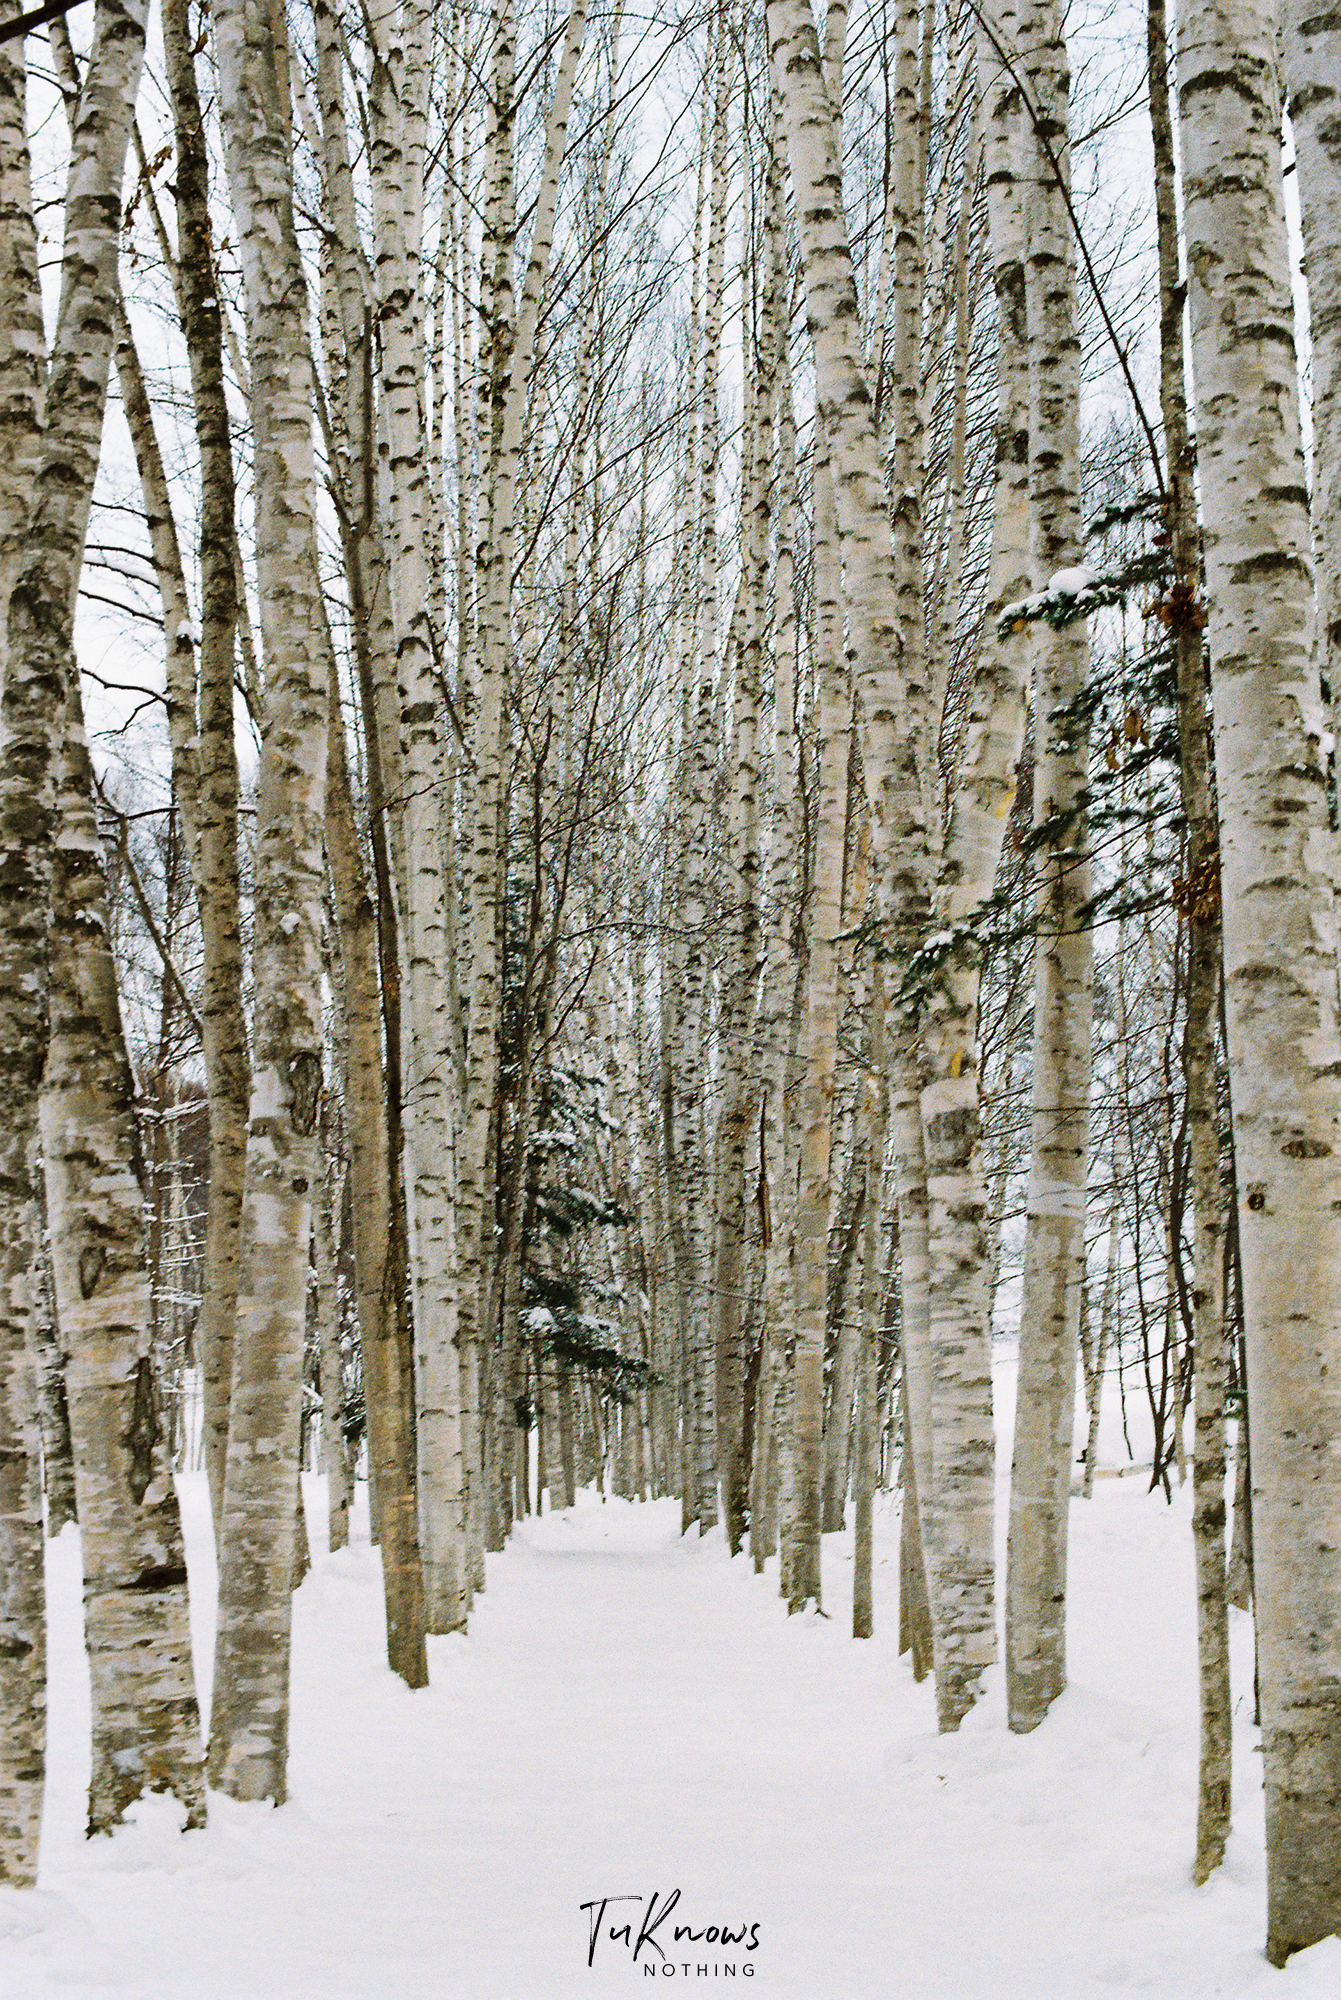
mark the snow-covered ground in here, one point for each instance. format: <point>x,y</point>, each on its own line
<point>633,1715</point>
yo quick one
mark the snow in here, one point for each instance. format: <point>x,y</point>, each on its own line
<point>633,1714</point>
<point>1070,582</point>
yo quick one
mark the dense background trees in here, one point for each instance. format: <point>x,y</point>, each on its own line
<point>651,667</point>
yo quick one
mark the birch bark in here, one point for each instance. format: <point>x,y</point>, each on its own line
<point>1201,905</point>
<point>21,331</point>
<point>398,109</point>
<point>785,866</point>
<point>1312,49</point>
<point>388,1383</point>
<point>1054,1255</point>
<point>819,1055</point>
<point>866,1446</point>
<point>957,1489</point>
<point>25,721</point>
<point>334,1455</point>
<point>347,320</point>
<point>1279,930</point>
<point>477,1202</point>
<point>959,1295</point>
<point>145,1723</point>
<point>53,1409</point>
<point>697,982</point>
<point>739,1001</point>
<point>891,701</point>
<point>204,753</point>
<point>249,1732</point>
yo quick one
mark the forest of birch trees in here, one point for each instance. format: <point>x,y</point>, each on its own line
<point>666,750</point>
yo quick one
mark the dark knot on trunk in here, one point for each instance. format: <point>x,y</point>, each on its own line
<point>305,1083</point>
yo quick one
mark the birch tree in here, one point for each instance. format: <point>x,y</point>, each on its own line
<point>249,1727</point>
<point>818,1054</point>
<point>1185,615</point>
<point>25,722</point>
<point>388,1385</point>
<point>1054,1258</point>
<point>960,1449</point>
<point>892,711</point>
<point>697,1001</point>
<point>737,1116</point>
<point>1279,929</point>
<point>476,1200</point>
<point>786,868</point>
<point>1312,50</point>
<point>398,112</point>
<point>145,1722</point>
<point>205,778</point>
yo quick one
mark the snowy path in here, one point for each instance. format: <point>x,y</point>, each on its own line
<point>634,1714</point>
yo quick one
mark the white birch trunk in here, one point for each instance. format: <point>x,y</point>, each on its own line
<point>334,1455</point>
<point>959,1294</point>
<point>784,871</point>
<point>1279,930</point>
<point>1096,1360</point>
<point>476,1192</point>
<point>249,1727</point>
<point>204,753</point>
<point>398,108</point>
<point>1312,47</point>
<point>737,1033</point>
<point>1054,1254</point>
<point>387,1376</point>
<point>891,706</point>
<point>24,728</point>
<point>145,1722</point>
<point>697,980</point>
<point>1200,902</point>
<point>819,1054</point>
